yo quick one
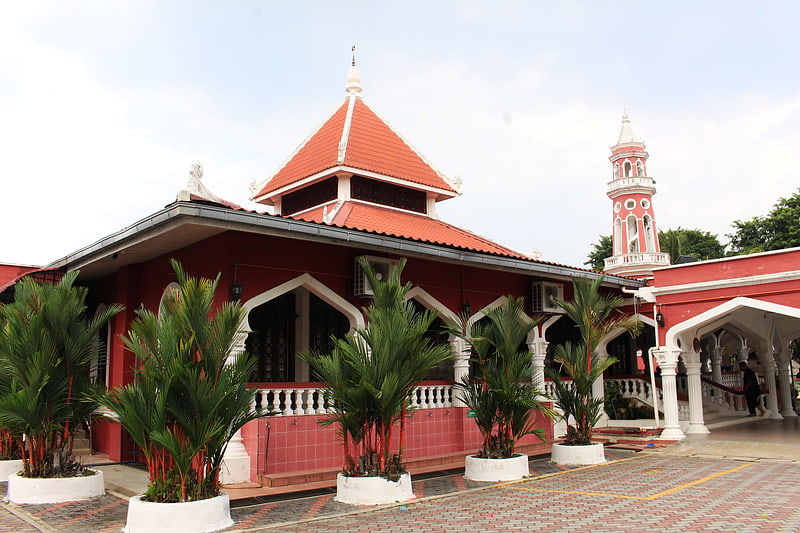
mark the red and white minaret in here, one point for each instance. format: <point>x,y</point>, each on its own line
<point>635,247</point>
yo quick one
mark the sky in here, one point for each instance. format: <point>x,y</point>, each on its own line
<point>104,107</point>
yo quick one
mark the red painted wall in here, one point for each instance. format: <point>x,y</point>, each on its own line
<point>262,262</point>
<point>296,443</point>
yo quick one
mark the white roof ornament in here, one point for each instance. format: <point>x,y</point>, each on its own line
<point>626,134</point>
<point>196,188</point>
<point>353,77</point>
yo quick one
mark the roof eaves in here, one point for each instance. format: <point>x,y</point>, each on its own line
<point>244,220</point>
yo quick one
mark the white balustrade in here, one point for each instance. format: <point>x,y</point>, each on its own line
<point>732,380</point>
<point>298,401</point>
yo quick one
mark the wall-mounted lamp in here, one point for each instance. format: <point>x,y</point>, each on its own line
<point>660,319</point>
<point>236,291</point>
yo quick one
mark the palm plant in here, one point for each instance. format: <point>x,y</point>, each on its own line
<point>370,376</point>
<point>596,316</point>
<point>46,351</point>
<point>188,398</point>
<point>503,396</point>
<point>11,444</point>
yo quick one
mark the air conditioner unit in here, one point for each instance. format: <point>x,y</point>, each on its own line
<point>380,265</point>
<point>542,294</point>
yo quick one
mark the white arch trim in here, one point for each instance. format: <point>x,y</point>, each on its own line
<point>308,282</point>
<point>723,310</point>
<point>426,299</point>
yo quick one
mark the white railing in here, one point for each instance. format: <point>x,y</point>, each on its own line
<point>641,182</point>
<point>310,400</point>
<point>637,388</point>
<point>723,398</point>
<point>732,380</point>
<point>640,258</point>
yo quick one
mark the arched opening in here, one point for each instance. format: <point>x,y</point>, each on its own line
<point>616,170</point>
<point>271,339</point>
<point>561,331</point>
<point>633,235</point>
<point>649,234</point>
<point>437,334</point>
<point>624,348</point>
<point>639,168</point>
<point>617,236</point>
<point>628,169</point>
<point>298,316</point>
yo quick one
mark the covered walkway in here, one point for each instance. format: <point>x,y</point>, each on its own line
<point>743,438</point>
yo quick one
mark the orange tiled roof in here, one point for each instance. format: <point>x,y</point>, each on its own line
<point>370,144</point>
<point>419,227</point>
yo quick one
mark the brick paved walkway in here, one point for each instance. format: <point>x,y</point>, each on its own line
<point>637,493</point>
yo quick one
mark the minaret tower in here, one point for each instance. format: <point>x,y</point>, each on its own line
<point>636,251</point>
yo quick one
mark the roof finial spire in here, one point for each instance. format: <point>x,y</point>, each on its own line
<point>353,77</point>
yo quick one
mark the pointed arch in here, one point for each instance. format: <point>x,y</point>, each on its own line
<point>649,233</point>
<point>747,316</point>
<point>632,226</point>
<point>425,298</point>
<point>313,285</point>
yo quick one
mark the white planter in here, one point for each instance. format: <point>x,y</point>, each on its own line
<point>373,490</point>
<point>589,454</point>
<point>56,489</point>
<point>200,516</point>
<point>479,469</point>
<point>11,466</point>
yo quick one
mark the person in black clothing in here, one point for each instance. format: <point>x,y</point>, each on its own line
<point>751,388</point>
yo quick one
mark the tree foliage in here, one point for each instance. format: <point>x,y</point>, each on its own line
<point>775,231</point>
<point>47,347</point>
<point>596,315</point>
<point>369,376</point>
<point>697,244</point>
<point>188,398</point>
<point>503,396</point>
<point>601,250</point>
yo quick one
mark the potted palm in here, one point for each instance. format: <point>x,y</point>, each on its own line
<point>502,397</point>
<point>46,351</point>
<point>186,402</point>
<point>11,444</point>
<point>595,315</point>
<point>368,381</point>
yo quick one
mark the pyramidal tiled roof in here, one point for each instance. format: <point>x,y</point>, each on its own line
<point>408,225</point>
<point>355,137</point>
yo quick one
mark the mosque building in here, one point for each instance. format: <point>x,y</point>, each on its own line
<point>356,188</point>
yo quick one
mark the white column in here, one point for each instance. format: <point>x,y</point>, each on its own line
<point>743,353</point>
<point>672,427</point>
<point>460,351</point>
<point>694,386</point>
<point>236,462</point>
<point>785,383</point>
<point>772,390</point>
<point>716,364</point>
<point>598,387</point>
<point>538,349</point>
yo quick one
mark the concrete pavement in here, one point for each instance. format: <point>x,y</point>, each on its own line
<point>743,477</point>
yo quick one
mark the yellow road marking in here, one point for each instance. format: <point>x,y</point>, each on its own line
<point>612,495</point>
<point>697,482</point>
